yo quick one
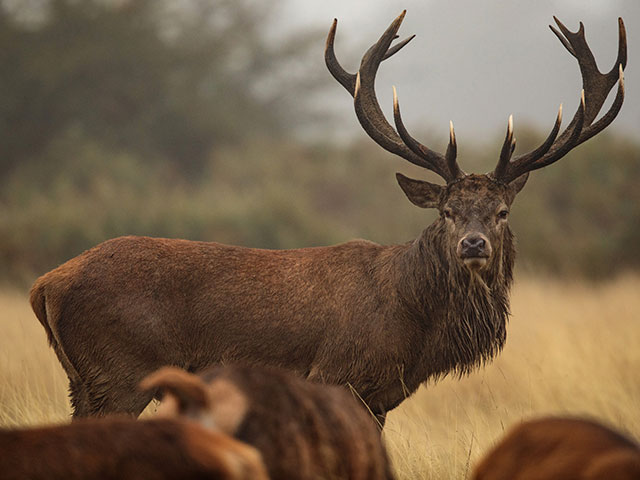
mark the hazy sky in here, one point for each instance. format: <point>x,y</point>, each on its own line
<point>475,62</point>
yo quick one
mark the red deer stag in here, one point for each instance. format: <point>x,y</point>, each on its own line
<point>383,319</point>
<point>303,430</point>
<point>561,449</point>
<point>126,449</point>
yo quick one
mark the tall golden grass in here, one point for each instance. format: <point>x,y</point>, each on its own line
<point>572,349</point>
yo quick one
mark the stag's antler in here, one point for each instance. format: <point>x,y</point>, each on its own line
<point>596,88</point>
<point>362,87</point>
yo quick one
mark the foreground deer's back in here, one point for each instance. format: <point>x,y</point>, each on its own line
<point>122,448</point>
<point>302,429</point>
<point>561,448</point>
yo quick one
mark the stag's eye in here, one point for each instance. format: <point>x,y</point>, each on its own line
<point>447,213</point>
<point>503,214</point>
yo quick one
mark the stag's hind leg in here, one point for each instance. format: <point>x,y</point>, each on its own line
<point>79,399</point>
<point>77,392</point>
<point>111,391</point>
<point>380,419</point>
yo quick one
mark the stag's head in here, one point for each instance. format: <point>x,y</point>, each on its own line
<point>474,208</point>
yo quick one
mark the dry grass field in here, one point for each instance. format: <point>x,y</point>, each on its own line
<point>572,349</point>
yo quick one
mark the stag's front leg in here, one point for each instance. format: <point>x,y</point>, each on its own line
<point>378,413</point>
<point>380,419</point>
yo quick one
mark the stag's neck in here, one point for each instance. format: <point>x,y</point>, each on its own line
<point>463,314</point>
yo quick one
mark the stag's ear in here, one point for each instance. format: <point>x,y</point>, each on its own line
<point>518,184</point>
<point>422,194</point>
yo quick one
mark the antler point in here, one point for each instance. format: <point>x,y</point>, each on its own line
<point>332,30</point>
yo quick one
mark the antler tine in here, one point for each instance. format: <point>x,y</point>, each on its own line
<point>452,153</point>
<point>362,87</point>
<point>608,117</point>
<point>559,149</point>
<point>346,79</point>
<point>437,163</point>
<point>622,46</point>
<point>507,150</point>
<point>550,151</point>
<point>596,88</point>
<point>561,37</point>
<point>396,48</point>
<point>521,163</point>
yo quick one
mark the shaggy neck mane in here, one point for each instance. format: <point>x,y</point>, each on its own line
<point>463,313</point>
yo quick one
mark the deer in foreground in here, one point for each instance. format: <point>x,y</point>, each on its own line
<point>126,449</point>
<point>303,430</point>
<point>561,448</point>
<point>381,319</point>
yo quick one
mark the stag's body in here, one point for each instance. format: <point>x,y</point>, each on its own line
<point>381,318</point>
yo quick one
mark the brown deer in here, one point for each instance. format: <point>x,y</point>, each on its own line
<point>126,449</point>
<point>303,430</point>
<point>561,449</point>
<point>382,319</point>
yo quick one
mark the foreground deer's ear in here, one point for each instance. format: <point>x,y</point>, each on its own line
<point>422,194</point>
<point>186,392</point>
<point>516,185</point>
<point>229,406</point>
<point>218,405</point>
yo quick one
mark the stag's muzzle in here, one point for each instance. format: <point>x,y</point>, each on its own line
<point>474,249</point>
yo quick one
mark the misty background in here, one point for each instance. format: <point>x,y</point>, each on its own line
<point>217,120</point>
<point>477,62</point>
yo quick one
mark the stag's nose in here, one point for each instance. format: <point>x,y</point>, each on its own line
<point>474,249</point>
<point>475,243</point>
